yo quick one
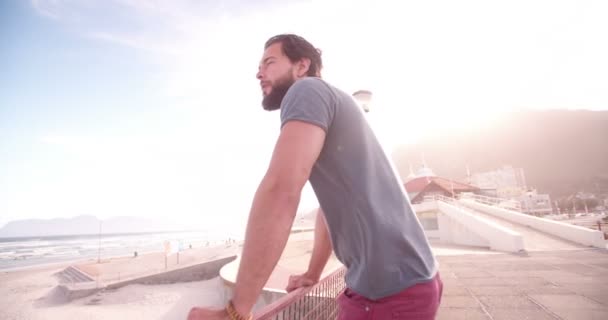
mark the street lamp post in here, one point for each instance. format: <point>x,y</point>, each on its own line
<point>364,97</point>
<point>99,245</point>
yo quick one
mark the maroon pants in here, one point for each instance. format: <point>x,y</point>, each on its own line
<point>419,302</point>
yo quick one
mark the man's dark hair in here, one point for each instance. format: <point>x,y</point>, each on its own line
<point>297,48</point>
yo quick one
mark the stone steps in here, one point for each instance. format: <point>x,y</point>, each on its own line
<point>73,275</point>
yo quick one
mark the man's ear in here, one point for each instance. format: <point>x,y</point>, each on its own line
<point>303,67</point>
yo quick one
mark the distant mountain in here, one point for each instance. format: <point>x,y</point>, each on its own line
<point>82,225</point>
<point>561,151</point>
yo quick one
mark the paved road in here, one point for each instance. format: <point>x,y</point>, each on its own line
<point>568,285</point>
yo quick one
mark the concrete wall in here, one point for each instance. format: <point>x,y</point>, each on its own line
<point>452,231</point>
<point>69,292</point>
<point>199,272</point>
<point>425,206</point>
<point>560,229</point>
<point>458,226</point>
<point>265,298</point>
<point>433,234</point>
<point>301,229</point>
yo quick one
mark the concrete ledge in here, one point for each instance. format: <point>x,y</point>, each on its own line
<point>269,292</point>
<point>425,206</point>
<point>74,291</point>
<point>585,236</point>
<point>495,236</point>
<point>199,272</point>
<point>302,229</point>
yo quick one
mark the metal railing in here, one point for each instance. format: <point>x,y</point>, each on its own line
<point>439,197</point>
<point>314,302</point>
<point>499,202</point>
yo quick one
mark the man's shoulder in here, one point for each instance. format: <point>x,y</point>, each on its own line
<point>312,88</point>
<point>319,86</point>
<point>313,83</point>
<point>309,99</point>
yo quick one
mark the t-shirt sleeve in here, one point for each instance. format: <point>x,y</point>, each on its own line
<point>309,100</point>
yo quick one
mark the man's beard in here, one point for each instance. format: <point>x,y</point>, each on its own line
<point>272,101</point>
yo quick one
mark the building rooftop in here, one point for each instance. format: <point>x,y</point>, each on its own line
<point>420,185</point>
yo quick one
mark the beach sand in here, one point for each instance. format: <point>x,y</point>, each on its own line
<point>32,293</point>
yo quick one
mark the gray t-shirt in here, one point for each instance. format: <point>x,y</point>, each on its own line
<point>372,226</point>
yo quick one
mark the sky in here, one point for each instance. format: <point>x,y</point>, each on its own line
<point>151,108</point>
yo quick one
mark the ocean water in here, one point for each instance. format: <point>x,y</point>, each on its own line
<point>21,252</point>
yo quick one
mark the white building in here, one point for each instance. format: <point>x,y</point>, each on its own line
<point>510,183</point>
<point>535,204</point>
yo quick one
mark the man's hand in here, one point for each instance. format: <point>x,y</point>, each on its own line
<point>197,313</point>
<point>299,281</point>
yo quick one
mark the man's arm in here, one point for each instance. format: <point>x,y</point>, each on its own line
<point>321,249</point>
<point>274,209</point>
<point>320,254</point>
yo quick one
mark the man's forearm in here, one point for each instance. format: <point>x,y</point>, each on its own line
<point>268,228</point>
<point>321,249</point>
